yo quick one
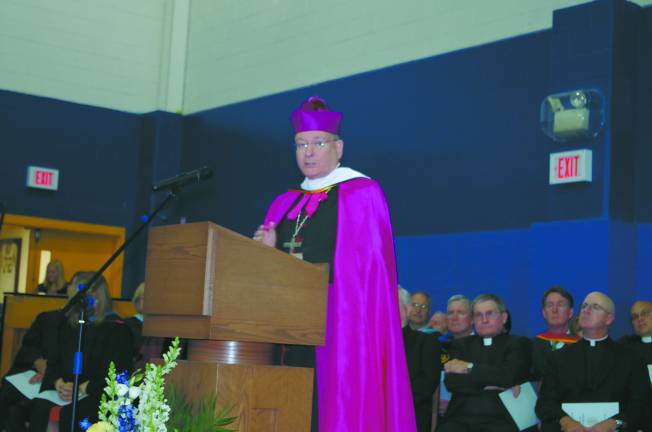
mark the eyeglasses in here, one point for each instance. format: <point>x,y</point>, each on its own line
<point>316,145</point>
<point>420,305</point>
<point>594,307</point>
<point>641,314</point>
<point>458,313</point>
<point>492,314</point>
<point>559,305</point>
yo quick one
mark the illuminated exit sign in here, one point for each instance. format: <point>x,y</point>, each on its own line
<point>571,167</point>
<point>42,178</point>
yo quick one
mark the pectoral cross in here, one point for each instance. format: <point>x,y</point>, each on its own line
<point>294,243</point>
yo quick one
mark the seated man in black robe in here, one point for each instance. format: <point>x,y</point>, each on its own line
<point>422,352</point>
<point>557,311</point>
<point>595,369</point>
<point>641,340</point>
<point>481,366</point>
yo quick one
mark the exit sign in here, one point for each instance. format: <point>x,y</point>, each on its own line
<point>42,178</point>
<point>571,167</point>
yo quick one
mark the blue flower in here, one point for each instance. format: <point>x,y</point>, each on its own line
<point>126,421</point>
<point>85,424</point>
<point>122,378</point>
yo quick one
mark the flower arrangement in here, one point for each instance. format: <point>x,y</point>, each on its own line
<point>136,403</point>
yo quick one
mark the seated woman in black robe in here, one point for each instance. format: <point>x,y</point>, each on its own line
<point>106,339</point>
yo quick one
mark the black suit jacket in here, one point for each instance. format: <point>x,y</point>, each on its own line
<point>422,352</point>
<point>504,364</point>
<point>620,377</point>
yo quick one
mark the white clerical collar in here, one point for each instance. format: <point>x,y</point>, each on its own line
<point>487,341</point>
<point>646,339</point>
<point>593,342</point>
<point>338,175</point>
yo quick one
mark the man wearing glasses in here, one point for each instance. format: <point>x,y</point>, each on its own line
<point>339,216</point>
<point>557,311</point>
<point>595,369</point>
<point>420,311</point>
<point>641,340</point>
<point>481,366</point>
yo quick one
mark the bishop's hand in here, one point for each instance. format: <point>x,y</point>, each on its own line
<point>266,234</point>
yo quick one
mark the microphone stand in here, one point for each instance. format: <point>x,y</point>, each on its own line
<point>3,210</point>
<point>81,300</point>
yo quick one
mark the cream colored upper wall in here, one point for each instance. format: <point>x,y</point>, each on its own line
<point>242,49</point>
<point>192,55</point>
<point>109,53</point>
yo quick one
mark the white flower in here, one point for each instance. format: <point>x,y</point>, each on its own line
<point>152,411</point>
<point>134,392</point>
<point>122,389</point>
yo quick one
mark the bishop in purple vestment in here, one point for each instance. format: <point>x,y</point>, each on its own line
<point>340,216</point>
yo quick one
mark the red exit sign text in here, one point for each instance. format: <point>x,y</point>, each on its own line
<point>570,167</point>
<point>42,178</point>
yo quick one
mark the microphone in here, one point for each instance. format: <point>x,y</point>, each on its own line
<point>176,182</point>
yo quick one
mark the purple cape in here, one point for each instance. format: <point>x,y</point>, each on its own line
<point>362,377</point>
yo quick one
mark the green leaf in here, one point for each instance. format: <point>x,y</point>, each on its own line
<point>205,418</point>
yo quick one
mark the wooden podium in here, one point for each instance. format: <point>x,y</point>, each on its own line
<point>234,298</point>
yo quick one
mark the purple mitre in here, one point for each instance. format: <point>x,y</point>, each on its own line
<point>314,115</point>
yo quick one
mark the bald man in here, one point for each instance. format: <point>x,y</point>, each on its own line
<point>595,369</point>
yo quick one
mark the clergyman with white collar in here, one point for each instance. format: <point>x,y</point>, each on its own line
<point>595,369</point>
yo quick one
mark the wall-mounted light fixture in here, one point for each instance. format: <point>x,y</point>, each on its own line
<point>574,115</point>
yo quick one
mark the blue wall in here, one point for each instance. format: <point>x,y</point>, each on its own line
<point>582,255</point>
<point>454,140</point>
<point>107,160</point>
<point>440,128</point>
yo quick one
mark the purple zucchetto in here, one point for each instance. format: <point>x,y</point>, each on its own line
<point>314,115</point>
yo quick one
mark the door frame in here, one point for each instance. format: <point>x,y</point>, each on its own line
<point>116,234</point>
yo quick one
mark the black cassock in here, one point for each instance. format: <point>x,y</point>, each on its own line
<point>505,363</point>
<point>606,372</point>
<point>636,343</point>
<point>644,350</point>
<point>317,238</point>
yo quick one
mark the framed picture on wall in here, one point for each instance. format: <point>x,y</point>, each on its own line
<point>9,264</point>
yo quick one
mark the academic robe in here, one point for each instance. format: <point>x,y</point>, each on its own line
<point>362,377</point>
<point>505,363</point>
<point>107,341</point>
<point>39,342</point>
<point>422,352</point>
<point>607,372</point>
<point>542,350</point>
